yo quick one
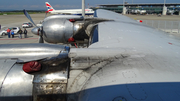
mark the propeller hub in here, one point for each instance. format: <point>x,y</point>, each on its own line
<point>36,31</point>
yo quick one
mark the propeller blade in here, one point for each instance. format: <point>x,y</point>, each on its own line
<point>37,29</point>
<point>42,32</point>
<point>28,16</point>
<point>41,39</point>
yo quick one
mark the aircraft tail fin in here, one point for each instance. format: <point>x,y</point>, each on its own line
<point>49,7</point>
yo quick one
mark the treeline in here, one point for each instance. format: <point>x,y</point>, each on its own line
<point>10,12</point>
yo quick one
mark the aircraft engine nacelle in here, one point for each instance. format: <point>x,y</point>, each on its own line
<point>57,30</point>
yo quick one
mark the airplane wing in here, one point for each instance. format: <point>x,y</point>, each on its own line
<point>125,61</point>
<point>111,15</point>
<point>14,82</point>
<point>18,82</point>
<point>135,62</point>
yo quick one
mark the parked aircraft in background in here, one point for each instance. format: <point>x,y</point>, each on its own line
<point>68,11</point>
<point>124,60</point>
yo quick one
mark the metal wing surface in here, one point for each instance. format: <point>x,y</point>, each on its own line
<point>142,63</point>
<point>14,82</point>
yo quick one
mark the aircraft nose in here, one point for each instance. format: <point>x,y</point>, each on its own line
<point>36,30</point>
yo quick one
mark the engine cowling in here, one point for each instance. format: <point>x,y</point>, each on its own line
<point>57,30</point>
<point>66,28</point>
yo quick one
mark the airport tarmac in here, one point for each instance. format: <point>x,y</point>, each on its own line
<point>18,20</point>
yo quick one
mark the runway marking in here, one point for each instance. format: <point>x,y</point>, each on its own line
<point>20,39</point>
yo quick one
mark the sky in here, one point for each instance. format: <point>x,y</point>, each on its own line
<point>66,4</point>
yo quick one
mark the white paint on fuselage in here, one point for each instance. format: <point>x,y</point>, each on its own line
<point>72,11</point>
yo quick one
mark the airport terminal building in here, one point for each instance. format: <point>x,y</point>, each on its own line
<point>151,8</point>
